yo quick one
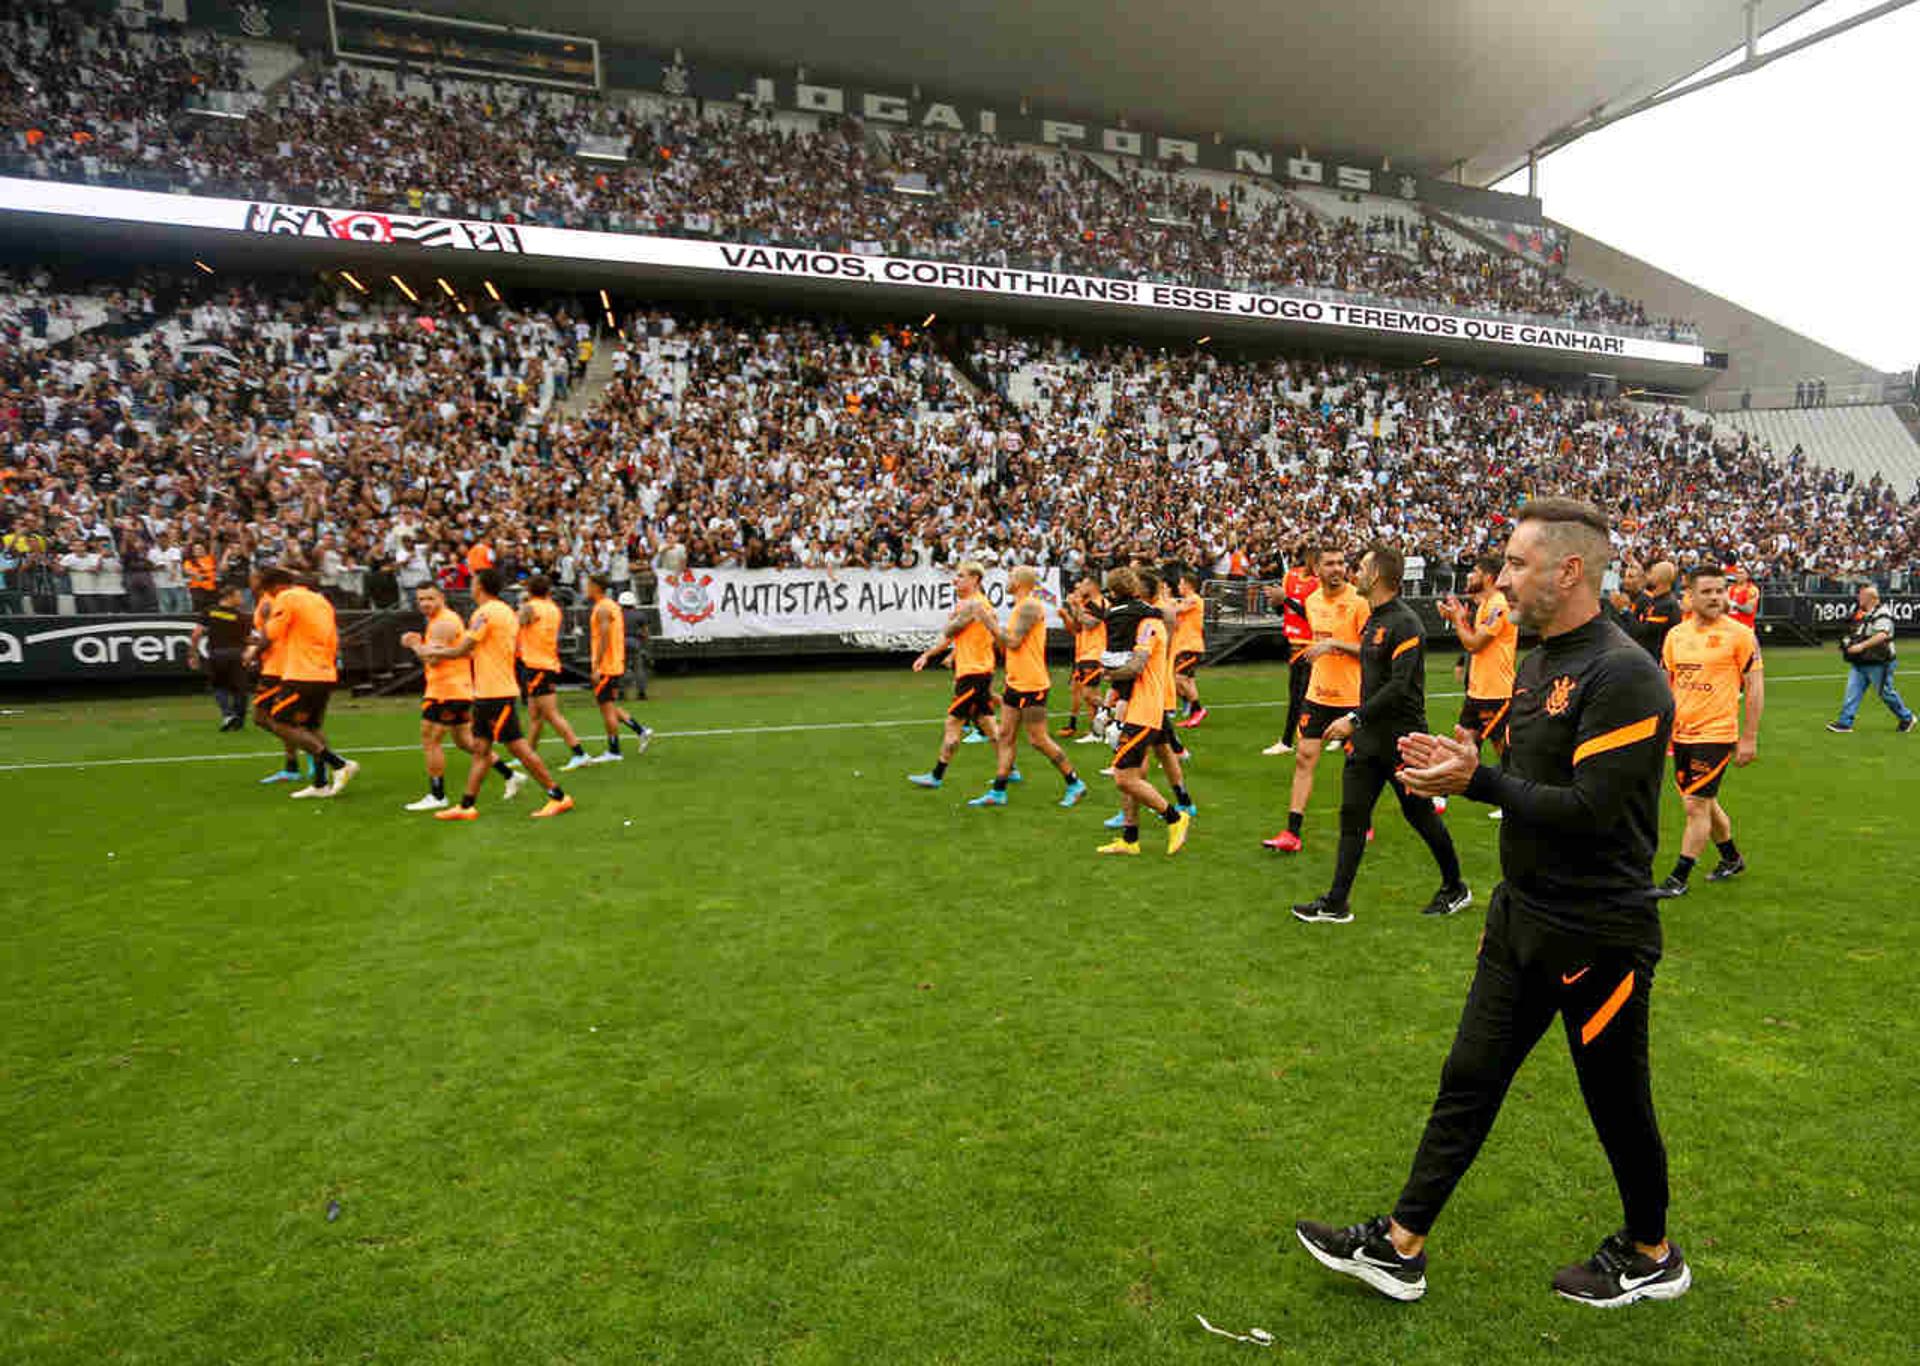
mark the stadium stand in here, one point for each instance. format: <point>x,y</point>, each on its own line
<point>1867,440</point>
<point>378,440</point>
<point>354,136</point>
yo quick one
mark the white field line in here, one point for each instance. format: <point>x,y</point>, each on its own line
<point>716,732</point>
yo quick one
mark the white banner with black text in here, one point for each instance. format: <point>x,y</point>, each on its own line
<point>888,609</point>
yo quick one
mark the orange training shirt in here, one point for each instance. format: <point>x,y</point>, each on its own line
<point>1708,666</point>
<point>1027,661</point>
<point>1147,705</point>
<point>493,628</point>
<point>1338,616</point>
<point>540,638</point>
<point>609,627</point>
<point>1490,676</point>
<point>274,653</point>
<point>303,622</point>
<point>1189,625</point>
<point>972,650</point>
<point>448,680</point>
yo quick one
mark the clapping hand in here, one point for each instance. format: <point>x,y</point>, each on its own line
<point>1436,765</point>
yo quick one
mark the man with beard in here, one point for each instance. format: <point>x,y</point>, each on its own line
<point>1393,703</point>
<point>1572,929</point>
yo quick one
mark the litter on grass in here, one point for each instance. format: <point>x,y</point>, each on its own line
<point>1259,1337</point>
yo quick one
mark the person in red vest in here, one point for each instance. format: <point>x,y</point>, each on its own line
<point>1743,597</point>
<point>1291,598</point>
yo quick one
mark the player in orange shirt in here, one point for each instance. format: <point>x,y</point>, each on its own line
<point>1148,669</point>
<point>1189,646</point>
<point>1291,597</point>
<point>1336,613</point>
<point>1709,660</point>
<point>1085,614</point>
<point>265,655</point>
<point>302,625</point>
<point>538,667</point>
<point>446,701</point>
<point>1487,633</point>
<point>1743,597</point>
<point>607,631</point>
<point>1023,706</point>
<point>489,639</point>
<point>969,634</point>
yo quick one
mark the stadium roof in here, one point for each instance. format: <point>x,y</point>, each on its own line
<point>1429,82</point>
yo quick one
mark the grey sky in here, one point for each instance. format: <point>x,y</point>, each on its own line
<point>1791,191</point>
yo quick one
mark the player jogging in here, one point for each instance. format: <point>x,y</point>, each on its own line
<point>607,638</point>
<point>1023,706</point>
<point>539,668</point>
<point>1709,659</point>
<point>1291,598</point>
<point>1147,668</point>
<point>1336,614</point>
<point>447,701</point>
<point>1487,633</point>
<point>969,633</point>
<point>1085,615</point>
<point>302,624</point>
<point>1393,703</point>
<point>267,654</point>
<point>489,640</point>
<point>1572,930</point>
<point>1189,646</point>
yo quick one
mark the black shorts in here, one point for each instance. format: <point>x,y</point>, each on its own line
<point>972,697</point>
<point>1698,768</point>
<point>301,704</point>
<point>1317,717</point>
<point>606,687</point>
<point>1135,742</point>
<point>536,682</point>
<point>497,720</point>
<point>266,691</point>
<point>1020,701</point>
<point>1086,671</point>
<point>1486,717</point>
<point>447,713</point>
<point>1186,661</point>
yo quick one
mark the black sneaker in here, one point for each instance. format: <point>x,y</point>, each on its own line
<point>1839,729</point>
<point>1727,868</point>
<point>1669,889</point>
<point>1619,1273</point>
<point>1449,900</point>
<point>1365,1252</point>
<point>1907,724</point>
<point>1322,911</point>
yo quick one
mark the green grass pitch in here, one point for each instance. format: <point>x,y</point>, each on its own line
<point>763,1056</point>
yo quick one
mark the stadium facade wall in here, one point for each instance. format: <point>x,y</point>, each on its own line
<point>1762,354</point>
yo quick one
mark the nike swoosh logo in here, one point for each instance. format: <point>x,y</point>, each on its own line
<point>1635,1282</point>
<point>1568,979</point>
<point>1360,1255</point>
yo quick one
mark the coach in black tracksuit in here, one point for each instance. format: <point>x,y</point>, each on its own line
<point>1572,930</point>
<point>1393,703</point>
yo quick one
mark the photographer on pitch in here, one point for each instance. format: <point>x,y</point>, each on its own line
<point>1868,650</point>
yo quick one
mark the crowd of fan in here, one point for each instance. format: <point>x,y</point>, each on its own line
<point>377,445</point>
<point>83,99</point>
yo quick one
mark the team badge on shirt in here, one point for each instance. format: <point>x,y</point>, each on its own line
<point>1560,695</point>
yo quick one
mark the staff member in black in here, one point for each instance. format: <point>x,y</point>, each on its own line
<point>223,628</point>
<point>1658,610</point>
<point>1571,931</point>
<point>1393,703</point>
